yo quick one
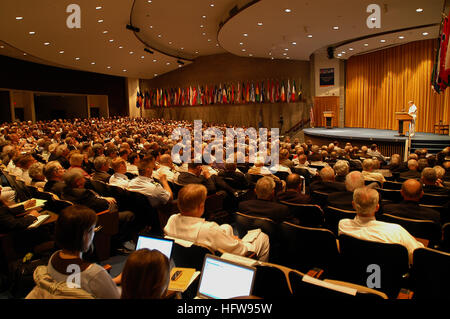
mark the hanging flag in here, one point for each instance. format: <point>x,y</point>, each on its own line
<point>224,94</point>
<point>277,92</point>
<point>292,98</point>
<point>282,94</point>
<point>147,100</point>
<point>232,93</point>
<point>247,93</point>
<point>288,91</point>
<point>257,93</point>
<point>300,92</point>
<point>268,91</point>
<point>441,69</point>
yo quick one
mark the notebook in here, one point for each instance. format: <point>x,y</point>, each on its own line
<point>164,245</point>
<point>224,279</point>
<point>39,221</point>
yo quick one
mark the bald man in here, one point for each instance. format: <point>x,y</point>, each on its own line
<point>327,183</point>
<point>412,192</point>
<point>166,167</point>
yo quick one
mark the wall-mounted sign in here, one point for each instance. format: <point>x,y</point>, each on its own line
<point>327,77</point>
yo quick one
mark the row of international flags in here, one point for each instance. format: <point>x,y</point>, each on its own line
<point>440,78</point>
<point>268,91</point>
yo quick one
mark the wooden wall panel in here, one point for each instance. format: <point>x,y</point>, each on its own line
<point>325,103</point>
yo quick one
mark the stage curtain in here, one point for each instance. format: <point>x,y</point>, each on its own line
<point>380,83</point>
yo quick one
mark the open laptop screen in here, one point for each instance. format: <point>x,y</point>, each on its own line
<point>162,244</point>
<point>221,279</point>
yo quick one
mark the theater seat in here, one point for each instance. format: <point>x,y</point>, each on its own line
<point>307,214</point>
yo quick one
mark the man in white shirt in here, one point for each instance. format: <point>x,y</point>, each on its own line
<point>413,112</point>
<point>365,226</point>
<point>119,178</point>
<point>166,167</point>
<point>188,225</point>
<point>158,194</point>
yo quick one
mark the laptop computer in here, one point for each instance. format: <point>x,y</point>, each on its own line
<point>164,245</point>
<point>224,279</point>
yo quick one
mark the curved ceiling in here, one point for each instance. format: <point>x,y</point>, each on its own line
<point>177,30</point>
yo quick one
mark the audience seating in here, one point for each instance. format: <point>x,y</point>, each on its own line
<point>244,223</point>
<point>392,185</point>
<point>303,287</point>
<point>190,257</point>
<point>215,210</point>
<point>282,175</point>
<point>304,248</point>
<point>303,172</point>
<point>366,182</point>
<point>319,198</point>
<point>271,282</point>
<point>145,213</point>
<point>390,195</point>
<point>419,228</point>
<point>309,215</point>
<point>430,277</point>
<point>358,254</point>
<point>333,215</point>
<point>102,239</point>
<point>433,199</point>
<point>445,244</point>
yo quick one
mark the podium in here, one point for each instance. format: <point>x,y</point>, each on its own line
<point>402,118</point>
<point>328,115</point>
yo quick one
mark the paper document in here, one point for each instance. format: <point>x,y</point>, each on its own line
<point>39,221</point>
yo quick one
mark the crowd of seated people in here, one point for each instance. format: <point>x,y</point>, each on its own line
<point>63,156</point>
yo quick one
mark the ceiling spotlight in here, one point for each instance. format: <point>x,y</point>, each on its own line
<point>419,10</point>
<point>19,18</point>
<point>285,53</point>
<point>108,67</point>
<point>105,32</point>
<point>335,28</point>
<point>124,70</point>
<point>245,35</point>
<point>98,8</point>
<point>294,43</point>
<point>131,52</point>
<point>132,28</point>
<point>77,59</point>
<point>287,10</point>
<point>92,63</point>
<point>350,49</point>
<point>151,27</point>
<point>61,52</point>
<point>167,63</point>
<point>149,1</point>
<point>170,42</point>
<point>250,54</point>
<point>382,41</point>
<point>309,35</point>
<point>211,5</point>
<point>148,51</point>
<point>24,54</point>
<point>154,60</point>
<point>46,43</point>
<point>366,45</point>
<point>120,47</point>
<point>425,33</point>
<point>243,50</point>
<point>209,40</point>
<point>286,49</point>
<point>32,32</point>
<point>155,74</point>
<point>100,21</point>
<point>181,48</point>
<point>111,40</point>
<point>241,43</point>
<point>339,54</point>
<point>260,23</point>
<point>401,37</point>
<point>201,26</point>
<point>142,57</point>
<point>204,17</point>
<point>159,35</point>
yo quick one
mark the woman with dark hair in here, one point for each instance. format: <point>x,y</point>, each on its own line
<point>145,275</point>
<point>74,232</point>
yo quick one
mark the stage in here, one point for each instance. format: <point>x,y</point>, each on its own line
<point>388,141</point>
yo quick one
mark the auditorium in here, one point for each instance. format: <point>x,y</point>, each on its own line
<point>236,149</point>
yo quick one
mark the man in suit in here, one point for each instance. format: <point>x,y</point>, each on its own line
<point>412,192</point>
<point>429,179</point>
<point>54,172</point>
<point>197,175</point>
<point>413,170</point>
<point>264,206</point>
<point>343,200</point>
<point>327,183</point>
<point>237,178</point>
<point>293,193</point>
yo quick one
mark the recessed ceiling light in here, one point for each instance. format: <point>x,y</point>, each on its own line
<point>159,35</point>
<point>243,50</point>
<point>272,58</point>
<point>196,52</point>
<point>19,18</point>
<point>61,52</point>
<point>241,43</point>
<point>294,43</point>
<point>111,40</point>
<point>105,32</point>
<point>167,63</point>
<point>211,5</point>
<point>350,49</point>
<point>339,54</point>
<point>108,67</point>
<point>142,57</point>
<point>155,74</point>
<point>98,8</point>
<point>131,52</point>
<point>425,33</point>
<point>287,57</point>
<point>309,35</point>
<point>217,44</point>
<point>149,1</point>
<point>120,47</point>
<point>209,40</point>
<point>92,63</point>
<point>335,28</point>
<point>24,54</point>
<point>270,53</point>
<point>151,27</point>
<point>285,53</point>
<point>32,32</point>
<point>124,70</point>
<point>100,21</point>
<point>382,41</point>
<point>181,48</point>
<point>343,52</point>
<point>401,37</point>
<point>154,60</point>
<point>170,42</point>
<point>203,33</point>
<point>77,58</point>
<point>201,26</point>
<point>366,45</point>
<point>250,54</point>
<point>287,10</point>
<point>260,23</point>
<point>2,46</point>
<point>46,43</point>
<point>419,10</point>
<point>245,35</point>
<point>204,17</point>
<point>286,49</point>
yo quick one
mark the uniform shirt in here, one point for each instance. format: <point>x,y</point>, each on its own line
<point>197,230</point>
<point>120,180</point>
<point>156,194</point>
<point>413,111</point>
<point>368,228</point>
